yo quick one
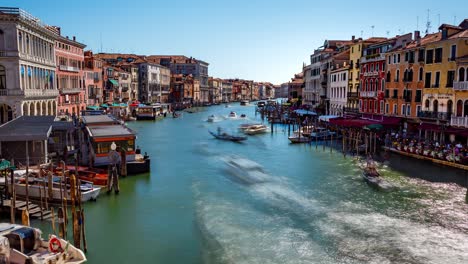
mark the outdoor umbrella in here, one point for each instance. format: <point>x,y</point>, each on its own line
<point>304,112</point>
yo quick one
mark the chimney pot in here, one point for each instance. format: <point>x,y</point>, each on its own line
<point>353,37</point>
<point>74,38</point>
<point>417,34</point>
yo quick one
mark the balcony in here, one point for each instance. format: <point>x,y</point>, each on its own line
<point>350,110</point>
<point>372,57</point>
<point>69,68</point>
<point>408,99</point>
<point>70,90</point>
<point>5,53</point>
<point>38,93</point>
<point>435,85</point>
<point>373,73</point>
<point>370,94</point>
<point>353,95</point>
<point>434,115</point>
<point>460,86</point>
<point>11,92</point>
<point>459,121</point>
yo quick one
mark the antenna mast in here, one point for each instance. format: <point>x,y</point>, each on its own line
<point>428,23</point>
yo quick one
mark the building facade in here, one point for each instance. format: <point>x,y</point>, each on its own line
<point>70,76</point>
<point>154,82</point>
<point>93,78</point>
<point>27,66</point>
<point>338,89</point>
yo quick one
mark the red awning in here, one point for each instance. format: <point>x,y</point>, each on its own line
<point>430,127</point>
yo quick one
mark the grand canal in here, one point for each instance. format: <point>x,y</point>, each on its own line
<point>314,208</point>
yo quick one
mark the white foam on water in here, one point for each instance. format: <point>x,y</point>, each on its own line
<point>374,236</point>
<point>249,236</point>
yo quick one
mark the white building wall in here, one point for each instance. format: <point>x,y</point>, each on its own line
<point>337,91</point>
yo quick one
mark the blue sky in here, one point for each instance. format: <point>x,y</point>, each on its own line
<point>252,39</point>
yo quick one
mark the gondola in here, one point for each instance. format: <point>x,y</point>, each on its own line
<point>225,136</point>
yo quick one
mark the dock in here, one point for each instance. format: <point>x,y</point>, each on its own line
<point>34,209</point>
<point>437,161</point>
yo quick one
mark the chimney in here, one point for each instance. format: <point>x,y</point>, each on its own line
<point>353,37</point>
<point>417,35</point>
<point>67,37</point>
<point>74,38</point>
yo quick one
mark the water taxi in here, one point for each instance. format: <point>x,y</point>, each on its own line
<point>256,129</point>
<point>244,102</point>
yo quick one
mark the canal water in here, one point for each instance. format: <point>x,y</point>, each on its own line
<point>313,207</point>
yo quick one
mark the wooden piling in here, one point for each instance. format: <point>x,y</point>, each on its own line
<point>61,223</point>
<point>13,197</point>
<point>83,231</point>
<point>53,220</point>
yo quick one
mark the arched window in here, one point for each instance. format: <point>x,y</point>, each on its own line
<point>426,104</point>
<point>460,108</point>
<point>421,72</point>
<point>397,77</point>
<point>405,76</point>
<point>20,41</point>
<point>435,106</point>
<point>461,74</point>
<point>383,85</point>
<point>27,44</point>
<point>2,40</point>
<point>2,78</point>
<point>410,75</point>
<point>388,76</point>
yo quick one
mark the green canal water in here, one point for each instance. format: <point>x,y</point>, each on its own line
<point>314,207</point>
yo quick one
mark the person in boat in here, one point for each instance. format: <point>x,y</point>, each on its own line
<point>115,161</point>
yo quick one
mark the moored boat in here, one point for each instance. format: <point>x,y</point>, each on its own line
<point>24,244</point>
<point>321,133</point>
<point>297,137</point>
<point>244,102</point>
<point>232,114</point>
<point>94,175</point>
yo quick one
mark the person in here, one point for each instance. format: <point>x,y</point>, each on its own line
<point>114,162</point>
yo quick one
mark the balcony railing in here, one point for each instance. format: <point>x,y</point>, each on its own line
<point>69,68</point>
<point>353,94</point>
<point>372,57</point>
<point>40,93</point>
<point>351,110</point>
<point>460,86</point>
<point>11,92</point>
<point>459,121</point>
<point>368,94</point>
<point>70,90</point>
<point>4,53</point>
<point>434,115</point>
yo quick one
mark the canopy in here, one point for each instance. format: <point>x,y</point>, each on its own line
<point>93,107</point>
<point>119,104</point>
<point>4,164</point>
<point>373,127</point>
<point>327,118</point>
<point>304,112</point>
<point>114,82</point>
<point>105,105</point>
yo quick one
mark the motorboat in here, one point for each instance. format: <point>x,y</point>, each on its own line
<point>247,125</point>
<point>297,137</point>
<point>95,175</point>
<point>176,115</point>
<point>244,102</point>
<point>225,136</point>
<point>232,114</point>
<point>256,129</point>
<point>211,118</point>
<point>24,244</point>
<point>246,171</point>
<point>321,133</point>
<point>261,104</point>
<point>60,189</point>
<point>307,130</point>
<point>372,177</point>
<point>243,116</point>
<point>227,105</point>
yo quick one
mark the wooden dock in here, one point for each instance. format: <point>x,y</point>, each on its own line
<point>34,209</point>
<point>437,161</point>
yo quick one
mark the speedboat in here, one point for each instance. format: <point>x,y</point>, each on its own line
<point>247,125</point>
<point>256,129</point>
<point>372,177</point>
<point>243,115</point>
<point>24,244</point>
<point>246,171</point>
<point>232,114</point>
<point>244,102</point>
<point>211,118</point>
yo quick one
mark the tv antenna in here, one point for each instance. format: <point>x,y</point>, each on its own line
<point>454,19</point>
<point>388,33</point>
<point>372,30</point>
<point>428,23</point>
<point>362,33</point>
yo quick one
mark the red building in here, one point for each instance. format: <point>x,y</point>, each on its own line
<point>372,74</point>
<point>70,78</point>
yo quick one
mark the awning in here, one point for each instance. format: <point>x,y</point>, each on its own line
<point>4,164</point>
<point>326,118</point>
<point>114,82</point>
<point>430,127</point>
<point>92,107</point>
<point>304,112</point>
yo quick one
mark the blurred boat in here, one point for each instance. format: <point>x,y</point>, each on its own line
<point>226,136</point>
<point>246,171</point>
<point>256,129</point>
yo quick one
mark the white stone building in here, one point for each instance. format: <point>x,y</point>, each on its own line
<point>337,90</point>
<point>27,66</point>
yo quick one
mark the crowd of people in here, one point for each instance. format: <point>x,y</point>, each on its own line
<point>452,152</point>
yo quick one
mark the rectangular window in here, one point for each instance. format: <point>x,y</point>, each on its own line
<point>395,93</point>
<point>398,60</point>
<point>394,58</point>
<point>381,107</point>
<point>395,109</point>
<point>418,96</point>
<point>450,78</point>
<point>406,56</point>
<point>377,67</point>
<point>437,80</point>
<point>387,93</point>
<point>438,55</point>
<point>389,59</point>
<point>403,109</point>
<point>408,110</point>
<point>429,56</point>
<point>427,83</point>
<point>387,108</point>
<point>453,52</point>
<point>418,109</point>
<point>421,55</point>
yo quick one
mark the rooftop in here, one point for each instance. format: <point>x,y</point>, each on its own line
<point>110,131</point>
<point>27,128</point>
<point>98,120</point>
